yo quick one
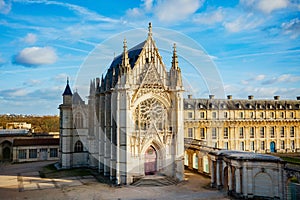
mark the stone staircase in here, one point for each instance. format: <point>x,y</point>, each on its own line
<point>154,180</point>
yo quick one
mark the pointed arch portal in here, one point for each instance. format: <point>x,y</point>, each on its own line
<point>150,161</point>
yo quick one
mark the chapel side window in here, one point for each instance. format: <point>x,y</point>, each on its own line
<point>78,146</point>
<point>78,120</point>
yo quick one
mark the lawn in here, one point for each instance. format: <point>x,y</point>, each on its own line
<point>49,171</point>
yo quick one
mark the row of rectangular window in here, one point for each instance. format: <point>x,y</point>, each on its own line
<point>22,153</point>
<point>241,132</point>
<point>262,145</point>
<point>241,115</point>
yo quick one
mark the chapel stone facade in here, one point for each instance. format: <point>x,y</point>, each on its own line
<point>132,125</point>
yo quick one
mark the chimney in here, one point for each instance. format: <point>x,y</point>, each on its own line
<point>250,97</point>
<point>211,96</point>
<point>190,96</point>
<point>276,97</point>
<point>298,98</point>
<point>229,96</point>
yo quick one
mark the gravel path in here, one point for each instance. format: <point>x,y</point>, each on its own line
<point>21,181</point>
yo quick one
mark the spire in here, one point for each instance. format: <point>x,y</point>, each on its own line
<point>125,58</point>
<point>67,89</point>
<point>150,29</point>
<point>174,58</point>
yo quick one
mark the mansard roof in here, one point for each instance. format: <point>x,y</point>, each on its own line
<point>240,104</point>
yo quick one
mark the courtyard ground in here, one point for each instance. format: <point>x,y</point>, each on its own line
<point>22,181</point>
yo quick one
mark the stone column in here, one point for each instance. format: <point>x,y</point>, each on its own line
<point>219,185</point>
<point>230,186</point>
<point>238,180</point>
<point>212,172</point>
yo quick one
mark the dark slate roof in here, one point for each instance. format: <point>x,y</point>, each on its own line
<point>242,104</point>
<point>133,55</point>
<point>77,99</point>
<point>111,77</point>
<point>36,142</point>
<point>67,90</point>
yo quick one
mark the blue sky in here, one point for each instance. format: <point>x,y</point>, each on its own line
<point>253,45</point>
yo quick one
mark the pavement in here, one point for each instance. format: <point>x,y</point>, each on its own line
<point>22,181</point>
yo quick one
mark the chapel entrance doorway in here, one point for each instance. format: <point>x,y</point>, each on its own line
<point>150,161</point>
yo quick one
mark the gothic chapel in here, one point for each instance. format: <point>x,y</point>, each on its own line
<point>132,125</point>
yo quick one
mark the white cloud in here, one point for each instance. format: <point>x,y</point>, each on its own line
<point>259,77</point>
<point>18,92</point>
<point>32,82</point>
<point>33,56</point>
<point>169,10</point>
<point>286,78</point>
<point>209,17</point>
<point>292,27</point>
<point>135,12</point>
<point>5,7</point>
<point>61,77</point>
<point>148,4</point>
<point>242,23</point>
<point>30,38</point>
<point>166,10</point>
<point>265,6</point>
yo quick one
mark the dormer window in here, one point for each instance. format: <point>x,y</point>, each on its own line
<point>250,106</point>
<point>239,106</point>
<point>200,105</point>
<point>189,106</point>
<point>280,106</point>
<point>212,106</point>
<point>290,106</point>
<point>270,106</point>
